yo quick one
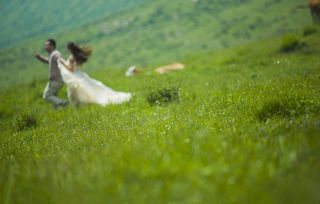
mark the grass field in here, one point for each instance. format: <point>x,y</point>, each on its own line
<point>239,126</point>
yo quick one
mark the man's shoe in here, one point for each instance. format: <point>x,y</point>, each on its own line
<point>55,107</point>
<point>65,104</point>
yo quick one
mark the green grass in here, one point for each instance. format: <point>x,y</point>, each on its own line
<point>245,129</point>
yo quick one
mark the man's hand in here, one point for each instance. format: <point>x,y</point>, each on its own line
<point>42,59</point>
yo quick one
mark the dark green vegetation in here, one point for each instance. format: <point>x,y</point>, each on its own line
<point>245,129</point>
<point>290,44</point>
<point>147,35</point>
<point>163,96</point>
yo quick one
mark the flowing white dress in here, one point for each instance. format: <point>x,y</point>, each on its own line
<point>85,90</point>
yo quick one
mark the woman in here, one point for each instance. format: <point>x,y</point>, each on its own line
<point>81,88</point>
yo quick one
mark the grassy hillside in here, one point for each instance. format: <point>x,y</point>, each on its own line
<point>243,129</point>
<point>161,32</point>
<point>26,19</point>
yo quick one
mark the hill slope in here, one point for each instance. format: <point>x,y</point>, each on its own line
<point>161,32</point>
<point>244,129</point>
<point>26,19</point>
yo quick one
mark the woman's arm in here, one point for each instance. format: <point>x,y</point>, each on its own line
<point>68,66</point>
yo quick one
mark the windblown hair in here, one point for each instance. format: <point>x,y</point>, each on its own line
<point>80,54</point>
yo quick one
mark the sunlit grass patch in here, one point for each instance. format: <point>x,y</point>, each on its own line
<point>244,120</point>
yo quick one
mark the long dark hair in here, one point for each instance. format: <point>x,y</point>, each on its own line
<point>80,54</point>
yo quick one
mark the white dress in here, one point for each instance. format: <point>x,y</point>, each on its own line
<point>85,90</point>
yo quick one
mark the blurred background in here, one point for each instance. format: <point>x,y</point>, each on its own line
<point>145,33</point>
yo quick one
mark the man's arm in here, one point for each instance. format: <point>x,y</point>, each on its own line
<point>42,59</point>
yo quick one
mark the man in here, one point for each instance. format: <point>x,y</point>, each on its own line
<point>55,80</point>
